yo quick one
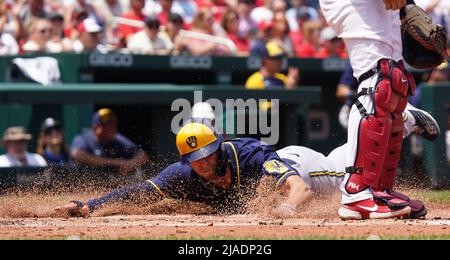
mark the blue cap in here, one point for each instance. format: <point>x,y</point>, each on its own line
<point>104,116</point>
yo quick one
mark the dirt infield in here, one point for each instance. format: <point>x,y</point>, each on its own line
<point>236,226</point>
<point>30,216</point>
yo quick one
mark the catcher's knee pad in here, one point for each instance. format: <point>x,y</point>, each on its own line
<point>373,140</point>
<point>411,81</point>
<point>391,92</point>
<point>389,171</point>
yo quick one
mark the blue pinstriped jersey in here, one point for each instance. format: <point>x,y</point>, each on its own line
<point>248,159</point>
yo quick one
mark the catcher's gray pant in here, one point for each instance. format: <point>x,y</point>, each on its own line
<point>324,174</point>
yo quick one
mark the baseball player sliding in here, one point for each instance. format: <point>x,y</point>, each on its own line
<point>224,174</point>
<point>372,33</point>
<point>214,172</point>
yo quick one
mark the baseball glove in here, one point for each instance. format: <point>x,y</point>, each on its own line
<point>424,42</point>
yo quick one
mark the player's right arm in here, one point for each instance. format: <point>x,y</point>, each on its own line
<point>298,193</point>
<point>164,185</point>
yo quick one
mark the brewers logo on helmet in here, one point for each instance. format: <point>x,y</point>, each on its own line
<point>197,140</point>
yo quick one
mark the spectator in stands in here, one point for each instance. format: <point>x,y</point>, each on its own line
<point>150,40</point>
<point>279,6</point>
<point>173,27</point>
<point>217,7</point>
<point>166,11</point>
<point>270,76</point>
<point>15,140</point>
<point>435,9</point>
<point>79,7</point>
<point>263,13</point>
<point>311,43</point>
<point>280,32</point>
<point>296,35</point>
<point>258,46</point>
<point>299,6</point>
<point>40,33</point>
<point>34,10</point>
<point>51,144</point>
<point>103,146</point>
<point>12,23</point>
<point>107,10</point>
<point>90,36</point>
<point>435,76</point>
<point>231,23</point>
<point>205,24</point>
<point>8,44</point>
<point>79,14</point>
<point>331,45</point>
<point>188,9</point>
<point>439,74</point>
<point>58,43</point>
<point>135,14</point>
<point>248,28</point>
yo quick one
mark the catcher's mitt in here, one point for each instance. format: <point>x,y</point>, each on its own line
<point>424,42</point>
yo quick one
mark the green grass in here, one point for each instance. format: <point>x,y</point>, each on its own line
<point>441,197</point>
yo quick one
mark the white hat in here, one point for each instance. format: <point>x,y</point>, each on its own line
<point>89,25</point>
<point>16,133</point>
<point>203,110</point>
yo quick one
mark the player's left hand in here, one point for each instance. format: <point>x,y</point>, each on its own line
<point>394,4</point>
<point>285,210</point>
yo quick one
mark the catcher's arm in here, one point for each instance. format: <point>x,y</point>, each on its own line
<point>394,4</point>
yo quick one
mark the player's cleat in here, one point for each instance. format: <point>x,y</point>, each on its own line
<point>371,209</point>
<point>426,126</point>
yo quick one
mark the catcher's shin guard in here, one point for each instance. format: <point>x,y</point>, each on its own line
<point>389,171</point>
<point>379,132</point>
<point>372,148</point>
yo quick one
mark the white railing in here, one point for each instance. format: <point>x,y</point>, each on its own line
<point>184,33</point>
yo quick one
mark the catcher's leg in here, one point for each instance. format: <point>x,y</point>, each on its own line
<point>377,127</point>
<point>387,180</point>
<point>395,142</point>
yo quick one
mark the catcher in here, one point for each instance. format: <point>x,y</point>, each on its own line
<point>379,35</point>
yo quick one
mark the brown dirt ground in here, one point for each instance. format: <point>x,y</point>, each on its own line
<point>31,217</point>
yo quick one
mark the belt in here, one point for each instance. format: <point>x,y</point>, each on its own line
<point>367,75</point>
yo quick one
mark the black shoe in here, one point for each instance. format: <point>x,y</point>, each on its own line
<point>426,126</point>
